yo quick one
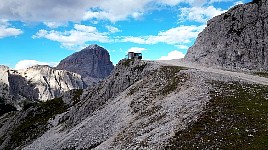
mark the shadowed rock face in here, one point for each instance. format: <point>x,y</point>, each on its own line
<point>236,39</point>
<point>91,63</point>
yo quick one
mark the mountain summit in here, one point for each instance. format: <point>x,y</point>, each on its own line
<point>92,63</point>
<point>236,39</point>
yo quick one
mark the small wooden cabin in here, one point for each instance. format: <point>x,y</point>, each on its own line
<point>132,55</point>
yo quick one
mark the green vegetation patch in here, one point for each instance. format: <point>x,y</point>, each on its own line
<point>140,67</point>
<point>127,62</point>
<point>173,79</point>
<point>157,84</point>
<point>76,95</point>
<point>235,118</point>
<point>35,123</point>
<point>262,74</point>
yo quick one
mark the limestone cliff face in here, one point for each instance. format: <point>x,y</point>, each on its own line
<point>4,84</point>
<point>92,63</point>
<point>37,83</point>
<point>236,39</point>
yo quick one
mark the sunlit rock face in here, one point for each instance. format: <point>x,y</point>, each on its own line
<point>37,83</point>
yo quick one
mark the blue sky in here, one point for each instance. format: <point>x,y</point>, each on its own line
<point>45,32</point>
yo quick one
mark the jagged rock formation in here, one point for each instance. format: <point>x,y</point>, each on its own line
<point>92,63</point>
<point>36,83</point>
<point>236,39</point>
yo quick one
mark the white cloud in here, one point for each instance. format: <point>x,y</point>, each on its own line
<point>218,1</point>
<point>236,3</point>
<point>197,3</point>
<point>170,2</point>
<point>84,28</point>
<point>70,10</point>
<point>78,10</point>
<point>136,49</point>
<point>6,30</point>
<point>74,39</point>
<point>4,22</point>
<point>112,29</point>
<point>54,24</point>
<point>138,40</point>
<point>182,46</point>
<point>45,10</point>
<point>136,15</point>
<point>103,15</point>
<point>99,15</point>
<point>23,64</point>
<point>239,2</point>
<point>181,34</point>
<point>115,10</point>
<point>173,55</point>
<point>199,14</point>
<point>176,2</point>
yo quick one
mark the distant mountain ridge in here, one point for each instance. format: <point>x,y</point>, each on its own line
<point>92,63</point>
<point>37,83</point>
<point>42,82</point>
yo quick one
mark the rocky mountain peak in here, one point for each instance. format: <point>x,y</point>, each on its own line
<point>92,63</point>
<point>2,67</point>
<point>93,46</point>
<point>236,39</point>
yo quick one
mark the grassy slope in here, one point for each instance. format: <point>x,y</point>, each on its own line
<point>34,124</point>
<point>261,74</point>
<point>5,108</point>
<point>235,118</point>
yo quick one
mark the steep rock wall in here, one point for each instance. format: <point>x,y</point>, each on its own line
<point>237,39</point>
<point>92,63</point>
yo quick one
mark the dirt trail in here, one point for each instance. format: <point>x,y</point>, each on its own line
<point>247,77</point>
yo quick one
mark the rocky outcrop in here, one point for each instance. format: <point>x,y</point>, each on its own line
<point>136,107</point>
<point>92,63</point>
<point>4,84</point>
<point>237,39</point>
<point>37,83</point>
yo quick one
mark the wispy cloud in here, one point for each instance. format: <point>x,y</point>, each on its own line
<point>182,46</point>
<point>173,55</point>
<point>7,30</point>
<point>177,35</point>
<point>137,49</point>
<point>199,14</point>
<point>54,24</point>
<point>74,39</point>
<point>23,64</point>
<point>112,29</point>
